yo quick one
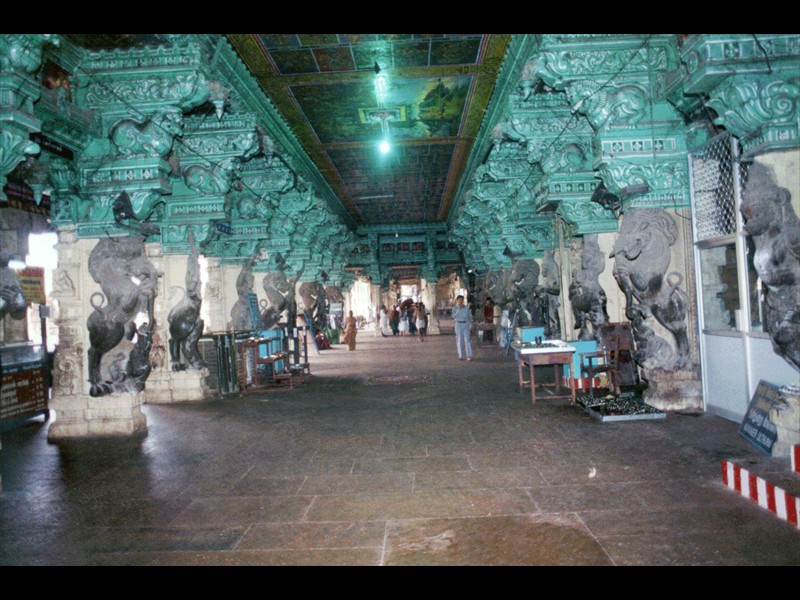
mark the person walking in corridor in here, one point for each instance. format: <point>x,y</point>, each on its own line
<point>383,318</point>
<point>421,320</point>
<point>463,318</point>
<point>350,330</point>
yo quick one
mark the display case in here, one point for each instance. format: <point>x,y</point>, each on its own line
<point>23,383</point>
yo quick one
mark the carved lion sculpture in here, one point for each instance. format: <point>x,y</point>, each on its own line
<point>153,137</point>
<point>185,324</point>
<point>775,229</point>
<point>642,256</point>
<point>128,281</point>
<point>214,180</point>
<point>608,105</point>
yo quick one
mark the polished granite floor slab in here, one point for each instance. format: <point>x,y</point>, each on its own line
<point>395,454</point>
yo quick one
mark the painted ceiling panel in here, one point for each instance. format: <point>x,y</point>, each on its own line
<point>417,108</point>
<point>434,91</point>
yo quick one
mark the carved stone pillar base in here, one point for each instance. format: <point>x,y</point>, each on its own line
<point>786,419</point>
<point>679,390</point>
<point>166,387</point>
<point>85,416</point>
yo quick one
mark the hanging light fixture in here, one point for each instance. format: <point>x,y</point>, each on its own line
<point>380,95</point>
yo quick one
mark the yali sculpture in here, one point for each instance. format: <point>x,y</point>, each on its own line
<point>128,281</point>
<point>770,220</point>
<point>185,324</point>
<point>586,295</point>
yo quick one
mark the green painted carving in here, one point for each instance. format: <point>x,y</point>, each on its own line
<point>216,179</point>
<point>17,95</point>
<point>148,78</point>
<point>519,49</point>
<point>232,69</point>
<point>710,59</point>
<point>151,137</point>
<point>13,150</point>
<point>567,57</point>
<point>761,111</point>
<point>587,217</point>
<point>538,232</point>
<point>611,104</point>
<point>670,85</point>
<point>667,182</point>
<point>22,52</point>
<point>64,122</point>
<point>233,135</point>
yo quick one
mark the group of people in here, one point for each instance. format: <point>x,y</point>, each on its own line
<point>412,318</point>
<point>404,319</point>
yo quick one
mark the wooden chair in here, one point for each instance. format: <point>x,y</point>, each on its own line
<point>615,358</point>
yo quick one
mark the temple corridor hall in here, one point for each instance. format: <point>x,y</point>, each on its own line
<point>399,299</point>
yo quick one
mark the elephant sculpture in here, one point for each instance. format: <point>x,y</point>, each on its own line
<point>185,324</point>
<point>128,281</point>
<point>312,297</point>
<point>279,300</point>
<point>642,256</point>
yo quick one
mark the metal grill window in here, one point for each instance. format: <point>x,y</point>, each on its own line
<point>714,193</point>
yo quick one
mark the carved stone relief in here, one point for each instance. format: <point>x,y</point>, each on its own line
<point>279,291</point>
<point>642,256</point>
<point>770,220</point>
<point>185,324</point>
<point>129,285</point>
<point>240,313</point>
<point>587,296</point>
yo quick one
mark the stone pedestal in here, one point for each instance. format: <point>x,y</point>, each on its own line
<point>675,391</point>
<point>165,387</point>
<point>786,419</point>
<point>85,416</point>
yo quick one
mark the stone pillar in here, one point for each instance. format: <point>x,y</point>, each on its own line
<point>77,414</point>
<point>428,296</point>
<point>217,294</point>
<point>165,386</point>
<point>375,304</point>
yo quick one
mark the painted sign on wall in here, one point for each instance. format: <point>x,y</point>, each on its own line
<point>31,280</point>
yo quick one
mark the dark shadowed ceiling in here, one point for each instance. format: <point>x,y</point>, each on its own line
<point>341,94</point>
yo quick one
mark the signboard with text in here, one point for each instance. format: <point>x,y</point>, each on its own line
<point>31,280</point>
<point>756,426</point>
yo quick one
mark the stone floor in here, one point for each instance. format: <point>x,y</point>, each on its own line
<point>395,454</point>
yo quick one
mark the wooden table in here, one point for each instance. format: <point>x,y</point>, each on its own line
<point>551,352</point>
